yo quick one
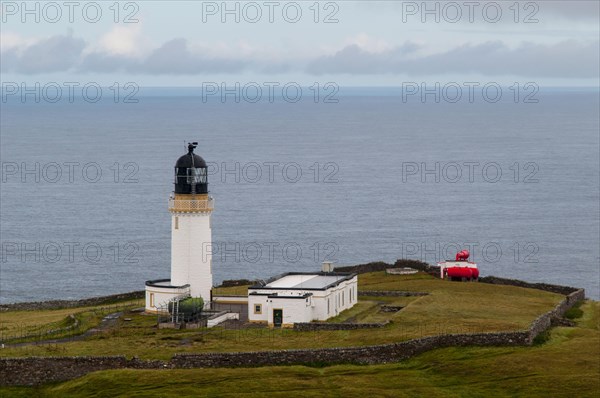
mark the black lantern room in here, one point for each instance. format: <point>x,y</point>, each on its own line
<point>191,173</point>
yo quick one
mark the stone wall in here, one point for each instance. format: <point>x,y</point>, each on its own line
<point>360,355</point>
<point>418,265</point>
<point>58,304</point>
<point>36,370</point>
<point>539,286</point>
<point>237,282</point>
<point>389,293</point>
<point>391,308</point>
<point>381,266</point>
<point>544,321</point>
<point>314,326</point>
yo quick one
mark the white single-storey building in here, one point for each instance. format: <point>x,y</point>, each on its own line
<point>297,297</point>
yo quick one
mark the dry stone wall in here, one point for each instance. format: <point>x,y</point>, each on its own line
<point>58,304</point>
<point>315,326</point>
<point>389,293</point>
<point>38,370</point>
<point>382,266</point>
<point>539,286</point>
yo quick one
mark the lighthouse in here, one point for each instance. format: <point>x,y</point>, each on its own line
<point>191,207</point>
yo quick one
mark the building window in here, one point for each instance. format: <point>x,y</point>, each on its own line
<point>258,308</point>
<point>151,299</point>
<point>176,222</point>
<point>328,306</point>
<point>343,299</point>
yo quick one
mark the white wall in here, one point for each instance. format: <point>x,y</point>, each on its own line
<point>191,256</point>
<point>283,292</point>
<point>317,309</point>
<point>294,310</point>
<point>161,296</point>
<point>214,322</point>
<point>263,302</point>
<point>346,290</point>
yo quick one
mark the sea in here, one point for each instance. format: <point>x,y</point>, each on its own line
<point>367,174</point>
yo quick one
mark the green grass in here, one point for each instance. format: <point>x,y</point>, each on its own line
<point>451,307</point>
<point>26,326</point>
<point>566,365</point>
<point>368,310</point>
<point>574,312</point>
<point>231,291</point>
<point>360,308</point>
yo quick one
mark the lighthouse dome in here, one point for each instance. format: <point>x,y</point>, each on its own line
<point>190,160</point>
<point>191,173</point>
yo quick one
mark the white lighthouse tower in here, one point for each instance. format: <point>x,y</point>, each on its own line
<point>191,261</point>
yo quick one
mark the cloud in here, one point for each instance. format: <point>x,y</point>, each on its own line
<point>175,57</point>
<point>53,54</point>
<point>366,42</point>
<point>11,41</point>
<point>172,58</point>
<point>361,55</point>
<point>356,60</point>
<point>69,54</point>
<point>121,40</point>
<point>102,62</point>
<point>567,59</point>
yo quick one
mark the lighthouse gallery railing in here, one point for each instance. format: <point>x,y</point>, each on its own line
<point>191,205</point>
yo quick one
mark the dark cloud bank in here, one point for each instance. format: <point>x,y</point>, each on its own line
<point>567,59</point>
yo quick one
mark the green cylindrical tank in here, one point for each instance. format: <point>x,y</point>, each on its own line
<point>188,308</point>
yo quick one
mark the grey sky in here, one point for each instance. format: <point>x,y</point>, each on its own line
<point>351,43</point>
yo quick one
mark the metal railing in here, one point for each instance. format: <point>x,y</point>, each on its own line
<point>193,205</point>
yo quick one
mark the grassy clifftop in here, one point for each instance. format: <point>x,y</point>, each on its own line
<point>566,365</point>
<point>450,307</point>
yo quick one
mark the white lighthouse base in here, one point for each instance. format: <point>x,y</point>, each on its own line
<point>160,291</point>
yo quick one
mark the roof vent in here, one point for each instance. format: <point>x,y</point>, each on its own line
<point>327,266</point>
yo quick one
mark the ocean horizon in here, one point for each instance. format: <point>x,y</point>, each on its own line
<point>347,174</point>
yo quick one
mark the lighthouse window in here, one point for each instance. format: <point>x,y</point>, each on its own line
<point>176,222</point>
<point>196,176</point>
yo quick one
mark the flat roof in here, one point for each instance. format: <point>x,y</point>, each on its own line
<point>306,281</point>
<point>164,283</point>
<point>277,295</point>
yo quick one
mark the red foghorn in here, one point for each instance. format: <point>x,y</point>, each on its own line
<point>460,268</point>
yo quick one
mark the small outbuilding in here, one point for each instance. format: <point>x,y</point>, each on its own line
<point>297,297</point>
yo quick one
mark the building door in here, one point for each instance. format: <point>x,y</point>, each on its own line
<point>277,318</point>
